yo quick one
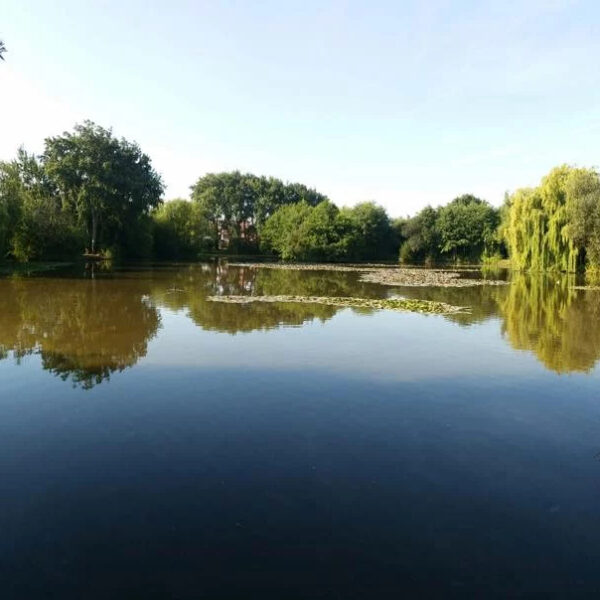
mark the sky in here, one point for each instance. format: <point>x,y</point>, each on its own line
<point>404,102</point>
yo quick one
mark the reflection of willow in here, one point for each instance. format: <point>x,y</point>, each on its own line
<point>82,330</point>
<point>559,324</point>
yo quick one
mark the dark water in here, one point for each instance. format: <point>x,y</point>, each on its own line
<point>157,445</point>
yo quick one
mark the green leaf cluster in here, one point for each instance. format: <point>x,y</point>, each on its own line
<point>236,205</point>
<point>326,233</point>
<point>88,190</point>
<point>556,225</point>
<point>180,230</point>
<point>462,230</point>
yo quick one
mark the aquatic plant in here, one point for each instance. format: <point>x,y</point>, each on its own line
<point>384,275</point>
<point>400,304</point>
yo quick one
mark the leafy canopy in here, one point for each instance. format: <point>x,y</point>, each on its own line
<point>108,182</point>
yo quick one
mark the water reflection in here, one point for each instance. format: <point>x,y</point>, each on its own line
<point>85,329</point>
<point>187,289</point>
<point>483,302</point>
<point>556,322</point>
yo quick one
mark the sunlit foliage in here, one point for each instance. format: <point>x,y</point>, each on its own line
<point>463,230</point>
<point>180,230</point>
<point>88,190</point>
<point>108,183</point>
<point>237,204</point>
<point>546,226</point>
<point>325,233</point>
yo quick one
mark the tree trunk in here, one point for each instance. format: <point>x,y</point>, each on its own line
<point>216,238</point>
<point>94,231</point>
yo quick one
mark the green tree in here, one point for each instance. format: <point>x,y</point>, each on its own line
<point>538,232</point>
<point>421,237</point>
<point>281,232</point>
<point>180,230</point>
<point>11,201</point>
<point>109,183</point>
<point>373,235</point>
<point>583,215</point>
<point>39,225</point>
<point>466,228</point>
<point>237,205</point>
<point>227,202</point>
<point>303,232</point>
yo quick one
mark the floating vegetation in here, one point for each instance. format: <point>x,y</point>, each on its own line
<point>424,278</point>
<point>281,266</point>
<point>386,275</point>
<point>420,306</point>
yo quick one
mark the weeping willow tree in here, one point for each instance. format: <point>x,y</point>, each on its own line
<point>538,229</point>
<point>583,210</point>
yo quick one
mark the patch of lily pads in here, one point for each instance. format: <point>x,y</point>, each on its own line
<point>425,278</point>
<point>398,304</point>
<point>386,275</point>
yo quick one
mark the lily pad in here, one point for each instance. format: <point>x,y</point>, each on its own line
<point>399,304</point>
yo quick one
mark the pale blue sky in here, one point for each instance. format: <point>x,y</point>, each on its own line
<point>402,102</point>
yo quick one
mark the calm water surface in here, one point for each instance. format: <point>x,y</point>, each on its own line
<point>154,444</point>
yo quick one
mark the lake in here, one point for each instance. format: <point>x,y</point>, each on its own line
<point>155,444</point>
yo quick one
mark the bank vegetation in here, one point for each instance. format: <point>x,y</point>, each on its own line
<point>95,195</point>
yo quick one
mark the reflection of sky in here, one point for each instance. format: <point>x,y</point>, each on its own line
<point>382,345</point>
<point>398,439</point>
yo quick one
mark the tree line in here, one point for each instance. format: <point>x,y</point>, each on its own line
<point>87,192</point>
<point>92,193</point>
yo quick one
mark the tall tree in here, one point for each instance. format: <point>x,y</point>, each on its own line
<point>538,231</point>
<point>180,230</point>
<point>109,182</point>
<point>466,227</point>
<point>303,232</point>
<point>2,50</point>
<point>374,236</point>
<point>237,205</point>
<point>40,226</point>
<point>421,237</point>
<point>583,214</point>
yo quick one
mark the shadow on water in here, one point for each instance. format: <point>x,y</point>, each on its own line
<point>86,328</point>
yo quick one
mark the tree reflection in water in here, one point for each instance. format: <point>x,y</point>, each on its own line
<point>86,329</point>
<point>83,330</point>
<point>559,324</point>
<point>188,289</point>
<point>541,314</point>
